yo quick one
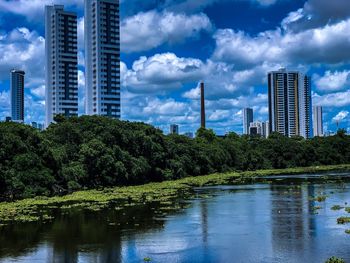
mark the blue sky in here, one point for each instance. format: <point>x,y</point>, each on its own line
<point>168,46</point>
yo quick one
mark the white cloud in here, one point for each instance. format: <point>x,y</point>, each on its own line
<point>149,30</point>
<point>332,81</point>
<point>321,45</point>
<point>193,94</point>
<point>317,13</point>
<point>340,116</point>
<point>39,91</point>
<point>22,49</point>
<point>34,9</point>
<point>161,72</point>
<point>337,99</point>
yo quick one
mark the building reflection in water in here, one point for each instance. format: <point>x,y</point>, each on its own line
<point>292,220</point>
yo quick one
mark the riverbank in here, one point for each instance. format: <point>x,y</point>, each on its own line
<point>41,208</point>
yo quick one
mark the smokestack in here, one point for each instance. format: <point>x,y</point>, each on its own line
<point>202,106</point>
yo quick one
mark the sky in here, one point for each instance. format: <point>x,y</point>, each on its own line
<point>169,46</point>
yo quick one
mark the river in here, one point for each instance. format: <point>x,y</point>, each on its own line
<point>263,222</point>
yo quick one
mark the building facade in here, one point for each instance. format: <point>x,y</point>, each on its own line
<point>174,129</point>
<point>266,129</point>
<point>102,58</point>
<point>318,121</point>
<point>17,95</point>
<point>259,128</point>
<point>248,118</point>
<point>61,62</point>
<point>290,104</point>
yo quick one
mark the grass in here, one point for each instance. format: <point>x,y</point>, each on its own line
<point>40,208</point>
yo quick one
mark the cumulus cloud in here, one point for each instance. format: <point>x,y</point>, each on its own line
<point>151,29</point>
<point>317,13</point>
<point>321,45</point>
<point>324,45</point>
<point>340,116</point>
<point>337,99</point>
<point>332,81</point>
<point>34,9</point>
<point>22,49</point>
<point>161,72</point>
<point>39,91</point>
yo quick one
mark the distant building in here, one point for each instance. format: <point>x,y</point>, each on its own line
<point>290,104</point>
<point>318,121</point>
<point>17,95</point>
<point>255,128</point>
<point>247,119</point>
<point>38,126</point>
<point>61,47</point>
<point>189,135</point>
<point>266,129</point>
<point>174,129</point>
<point>8,119</point>
<point>102,58</point>
<point>259,128</point>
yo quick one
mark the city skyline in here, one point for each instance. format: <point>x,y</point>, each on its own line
<point>161,70</point>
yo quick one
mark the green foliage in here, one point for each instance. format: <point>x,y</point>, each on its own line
<point>335,260</point>
<point>336,207</point>
<point>95,152</point>
<point>343,220</point>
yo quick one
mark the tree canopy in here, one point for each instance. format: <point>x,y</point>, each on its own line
<point>92,152</point>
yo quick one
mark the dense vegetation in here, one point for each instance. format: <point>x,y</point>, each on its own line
<point>93,152</point>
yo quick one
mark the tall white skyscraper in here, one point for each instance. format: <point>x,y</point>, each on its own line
<point>17,95</point>
<point>102,58</point>
<point>61,62</point>
<point>247,119</point>
<point>290,103</point>
<point>318,121</point>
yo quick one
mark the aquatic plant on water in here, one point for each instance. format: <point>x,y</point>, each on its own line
<point>343,220</point>
<point>337,207</point>
<point>335,260</point>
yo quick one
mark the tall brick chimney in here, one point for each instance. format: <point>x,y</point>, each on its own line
<point>202,106</point>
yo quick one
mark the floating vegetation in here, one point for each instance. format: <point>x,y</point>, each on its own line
<point>147,259</point>
<point>343,220</point>
<point>347,231</point>
<point>337,207</point>
<point>315,208</point>
<point>164,194</point>
<point>320,198</point>
<point>335,260</point>
<point>347,209</point>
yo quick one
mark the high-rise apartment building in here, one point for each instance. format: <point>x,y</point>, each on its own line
<point>102,58</point>
<point>17,95</point>
<point>61,62</point>
<point>318,121</point>
<point>247,119</point>
<point>174,129</point>
<point>290,103</point>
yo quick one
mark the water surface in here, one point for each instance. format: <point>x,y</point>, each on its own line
<point>276,222</point>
